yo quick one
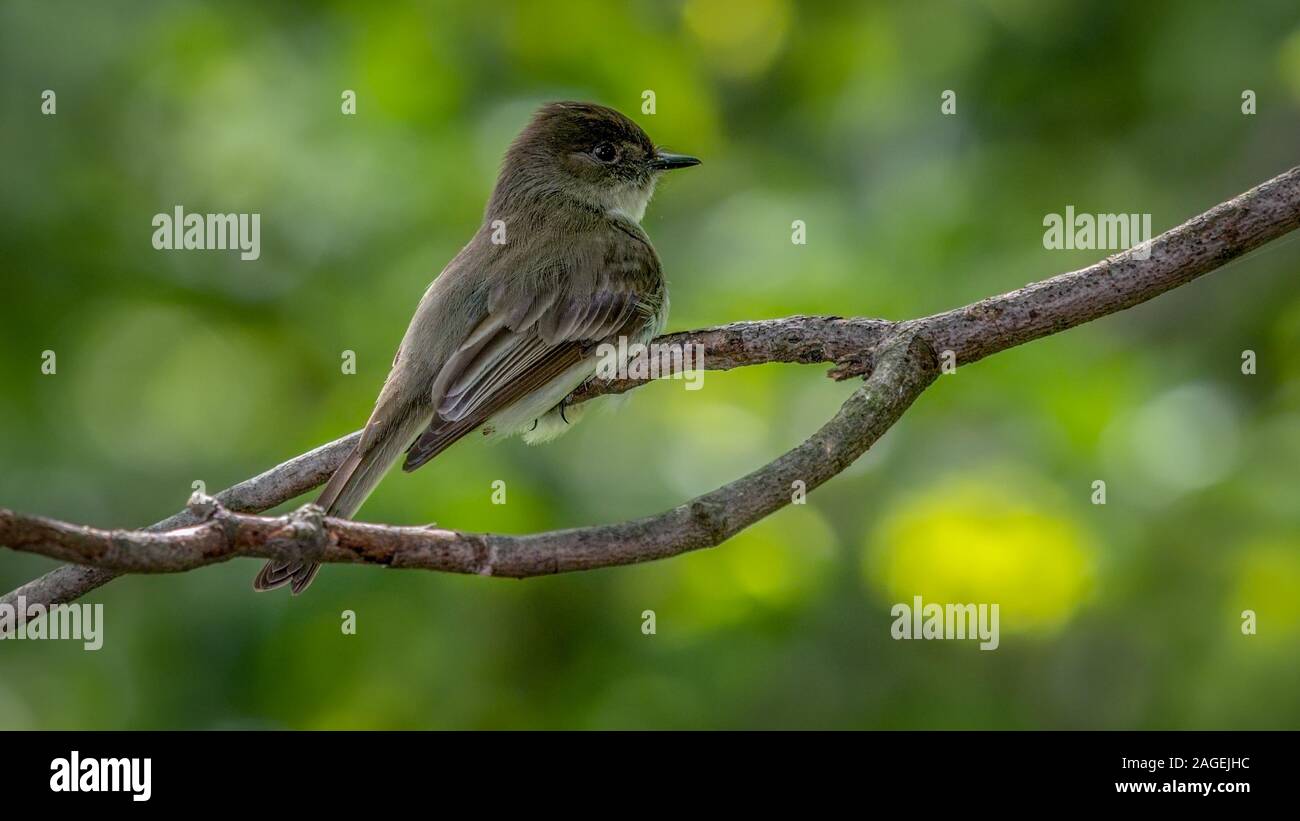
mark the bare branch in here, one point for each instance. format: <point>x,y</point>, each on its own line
<point>799,339</point>
<point>906,368</point>
<point>854,345</point>
<point>262,492</point>
<point>1176,257</point>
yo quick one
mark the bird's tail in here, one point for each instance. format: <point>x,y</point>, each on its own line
<point>343,495</point>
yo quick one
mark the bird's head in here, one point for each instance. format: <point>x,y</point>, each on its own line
<point>588,152</point>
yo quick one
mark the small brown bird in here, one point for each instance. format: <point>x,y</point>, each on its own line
<point>509,328</point>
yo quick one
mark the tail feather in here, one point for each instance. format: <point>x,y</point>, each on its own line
<point>342,497</point>
<point>277,574</point>
<point>329,496</point>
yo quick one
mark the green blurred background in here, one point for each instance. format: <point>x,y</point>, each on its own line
<point>177,367</point>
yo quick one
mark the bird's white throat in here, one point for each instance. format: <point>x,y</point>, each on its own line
<point>629,202</point>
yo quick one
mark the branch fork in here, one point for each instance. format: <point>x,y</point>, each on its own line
<point>897,359</point>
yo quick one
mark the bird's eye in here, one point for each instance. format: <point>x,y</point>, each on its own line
<point>604,152</point>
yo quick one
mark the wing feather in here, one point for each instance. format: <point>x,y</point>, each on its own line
<point>536,330</point>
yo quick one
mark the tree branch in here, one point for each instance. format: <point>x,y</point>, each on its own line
<point>897,356</point>
<point>906,368</point>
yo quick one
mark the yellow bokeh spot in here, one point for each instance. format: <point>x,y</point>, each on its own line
<point>1268,582</point>
<point>742,36</point>
<point>982,540</point>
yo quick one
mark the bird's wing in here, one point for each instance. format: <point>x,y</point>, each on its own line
<point>536,329</point>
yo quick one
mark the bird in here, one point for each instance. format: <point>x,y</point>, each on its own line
<point>559,266</point>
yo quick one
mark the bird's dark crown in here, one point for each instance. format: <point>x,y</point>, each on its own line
<point>574,126</point>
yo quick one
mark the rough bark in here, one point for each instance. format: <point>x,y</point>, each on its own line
<point>898,358</point>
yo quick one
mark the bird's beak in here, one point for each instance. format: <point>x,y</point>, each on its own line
<point>663,161</point>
